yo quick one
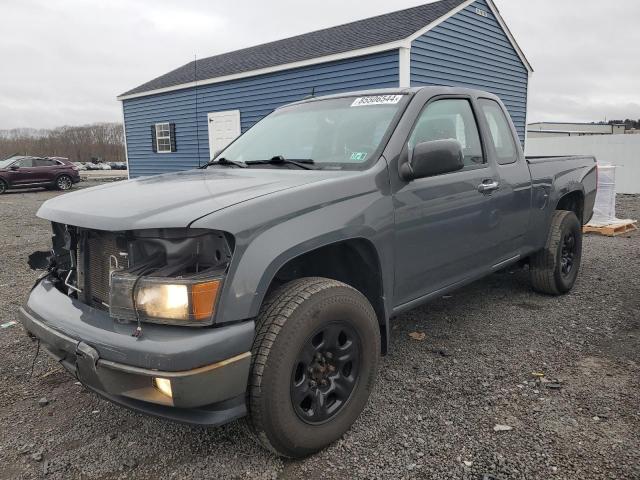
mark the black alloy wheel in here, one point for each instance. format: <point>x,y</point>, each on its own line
<point>325,373</point>
<point>313,365</point>
<point>568,252</point>
<point>554,269</point>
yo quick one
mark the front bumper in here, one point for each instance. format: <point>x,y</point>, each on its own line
<point>92,347</point>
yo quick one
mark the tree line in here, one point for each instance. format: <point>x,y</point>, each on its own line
<point>628,123</point>
<point>98,141</point>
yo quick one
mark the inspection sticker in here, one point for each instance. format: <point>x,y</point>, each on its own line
<point>377,100</point>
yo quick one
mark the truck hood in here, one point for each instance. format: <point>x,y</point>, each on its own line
<point>173,200</point>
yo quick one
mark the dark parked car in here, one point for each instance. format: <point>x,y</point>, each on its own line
<point>265,283</point>
<point>28,172</point>
<point>118,165</point>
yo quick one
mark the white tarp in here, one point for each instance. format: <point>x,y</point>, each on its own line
<point>604,211</point>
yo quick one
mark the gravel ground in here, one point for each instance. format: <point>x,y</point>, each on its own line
<point>432,414</point>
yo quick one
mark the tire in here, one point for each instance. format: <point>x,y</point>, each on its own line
<point>3,187</point>
<point>64,182</point>
<point>307,317</point>
<point>554,269</point>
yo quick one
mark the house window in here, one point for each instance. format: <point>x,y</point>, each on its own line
<point>163,137</point>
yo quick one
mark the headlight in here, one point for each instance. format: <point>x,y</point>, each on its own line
<point>164,300</point>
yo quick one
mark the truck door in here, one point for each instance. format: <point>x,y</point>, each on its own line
<point>443,234</point>
<point>510,203</point>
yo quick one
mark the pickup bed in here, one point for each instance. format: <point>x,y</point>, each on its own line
<point>263,284</point>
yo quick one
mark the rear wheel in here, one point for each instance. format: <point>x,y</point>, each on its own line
<point>3,186</point>
<point>64,182</point>
<point>554,269</point>
<point>314,363</point>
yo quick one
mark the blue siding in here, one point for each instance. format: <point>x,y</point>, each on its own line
<point>473,51</point>
<point>255,97</point>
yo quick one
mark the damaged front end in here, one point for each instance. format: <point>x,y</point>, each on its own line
<point>167,276</point>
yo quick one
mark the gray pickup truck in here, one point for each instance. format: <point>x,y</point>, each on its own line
<point>263,284</point>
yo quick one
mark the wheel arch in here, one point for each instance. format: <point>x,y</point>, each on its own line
<point>573,201</point>
<point>354,261</point>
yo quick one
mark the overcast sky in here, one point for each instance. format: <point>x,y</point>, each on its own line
<point>65,61</point>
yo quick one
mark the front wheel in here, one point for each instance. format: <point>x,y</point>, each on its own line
<point>64,182</point>
<point>554,269</point>
<point>3,186</point>
<point>314,363</point>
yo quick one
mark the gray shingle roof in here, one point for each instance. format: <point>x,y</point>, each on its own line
<point>370,32</point>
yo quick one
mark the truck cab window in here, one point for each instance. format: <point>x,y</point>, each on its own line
<point>450,119</point>
<point>501,135</point>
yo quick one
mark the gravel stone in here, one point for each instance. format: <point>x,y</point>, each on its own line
<point>502,428</point>
<point>24,449</point>
<point>498,330</point>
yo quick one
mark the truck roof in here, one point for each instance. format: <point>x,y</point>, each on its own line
<point>436,89</point>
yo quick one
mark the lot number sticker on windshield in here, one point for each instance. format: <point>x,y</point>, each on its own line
<point>377,100</point>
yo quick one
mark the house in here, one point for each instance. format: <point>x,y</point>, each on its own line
<point>178,120</point>
<point>563,129</point>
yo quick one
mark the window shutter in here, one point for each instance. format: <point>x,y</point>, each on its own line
<point>172,133</point>
<point>154,143</point>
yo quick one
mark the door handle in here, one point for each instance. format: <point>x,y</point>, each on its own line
<point>488,186</point>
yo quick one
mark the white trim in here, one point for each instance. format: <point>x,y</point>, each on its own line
<point>437,22</point>
<point>404,64</point>
<point>278,68</point>
<point>526,114</point>
<point>158,137</point>
<point>401,44</point>
<point>126,148</point>
<point>510,36</point>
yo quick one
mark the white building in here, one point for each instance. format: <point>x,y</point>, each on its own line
<point>620,150</point>
<point>558,129</point>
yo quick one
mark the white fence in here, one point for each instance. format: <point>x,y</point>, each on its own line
<point>620,150</point>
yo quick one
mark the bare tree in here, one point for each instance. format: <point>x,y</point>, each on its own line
<point>104,141</point>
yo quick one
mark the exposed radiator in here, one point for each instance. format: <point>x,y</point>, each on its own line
<point>102,255</point>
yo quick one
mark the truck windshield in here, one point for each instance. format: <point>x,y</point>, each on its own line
<point>341,133</point>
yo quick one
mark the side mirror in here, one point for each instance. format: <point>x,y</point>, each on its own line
<point>14,167</point>
<point>433,158</point>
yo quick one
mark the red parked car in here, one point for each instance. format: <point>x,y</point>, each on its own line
<point>29,172</point>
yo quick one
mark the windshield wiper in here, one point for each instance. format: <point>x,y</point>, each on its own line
<point>225,161</point>
<point>306,163</point>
